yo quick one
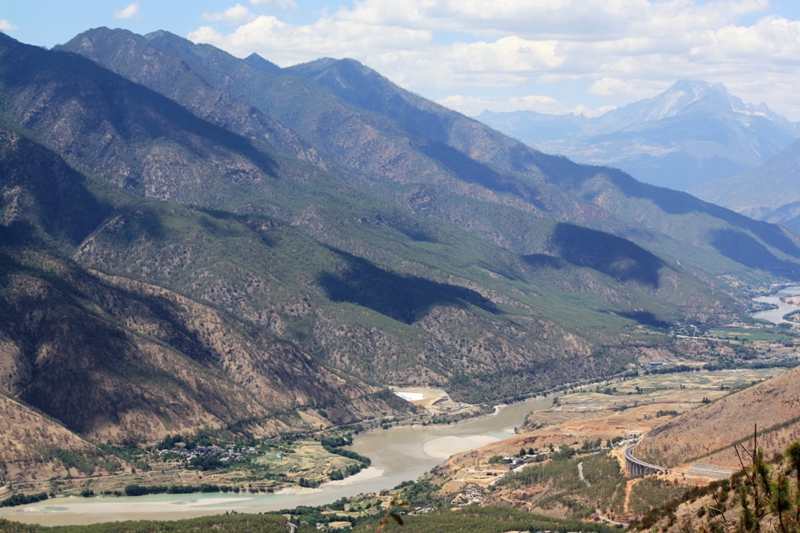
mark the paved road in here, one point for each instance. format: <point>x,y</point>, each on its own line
<point>629,456</point>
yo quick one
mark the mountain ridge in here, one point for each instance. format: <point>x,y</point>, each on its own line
<point>709,432</point>
<point>691,133</point>
<point>767,192</point>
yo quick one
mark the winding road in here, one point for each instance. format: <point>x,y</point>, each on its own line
<point>635,467</point>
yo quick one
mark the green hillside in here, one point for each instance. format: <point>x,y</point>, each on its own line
<point>445,166</point>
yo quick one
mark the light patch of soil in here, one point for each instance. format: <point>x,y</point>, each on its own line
<point>437,401</point>
<point>582,416</point>
<point>444,447</point>
<point>628,491</point>
<point>696,436</point>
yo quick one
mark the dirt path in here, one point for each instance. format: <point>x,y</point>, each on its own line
<point>628,491</point>
<point>580,474</point>
<point>607,520</point>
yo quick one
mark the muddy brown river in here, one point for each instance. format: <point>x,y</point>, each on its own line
<point>398,454</point>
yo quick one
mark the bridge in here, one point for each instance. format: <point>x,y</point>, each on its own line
<point>635,467</point>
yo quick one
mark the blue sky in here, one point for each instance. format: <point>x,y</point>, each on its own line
<point>553,56</point>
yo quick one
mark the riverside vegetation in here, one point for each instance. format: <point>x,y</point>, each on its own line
<point>209,461</point>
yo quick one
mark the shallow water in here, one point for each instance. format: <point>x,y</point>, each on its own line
<point>397,452</point>
<point>776,315</point>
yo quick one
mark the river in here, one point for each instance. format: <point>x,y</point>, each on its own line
<point>398,454</point>
<point>776,315</point>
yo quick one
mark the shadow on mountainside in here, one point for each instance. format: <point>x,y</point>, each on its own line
<point>401,297</point>
<point>470,171</point>
<point>614,256</point>
<point>572,176</point>
<point>644,318</point>
<point>746,250</point>
<point>47,203</point>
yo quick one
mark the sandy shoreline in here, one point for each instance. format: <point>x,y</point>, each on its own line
<point>444,447</point>
<point>108,507</point>
<point>80,511</point>
<point>367,473</point>
<point>297,490</point>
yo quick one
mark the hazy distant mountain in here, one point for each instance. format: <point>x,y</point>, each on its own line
<point>690,134</point>
<point>769,192</point>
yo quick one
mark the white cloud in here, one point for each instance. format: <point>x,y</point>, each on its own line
<point>128,12</point>
<point>287,44</point>
<point>629,90</point>
<point>570,19</point>
<point>237,14</point>
<point>282,4</point>
<point>621,50</point>
<point>6,25</point>
<point>475,105</point>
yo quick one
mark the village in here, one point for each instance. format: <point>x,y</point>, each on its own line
<point>227,455</point>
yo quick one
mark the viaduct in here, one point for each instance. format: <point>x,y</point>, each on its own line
<point>636,467</point>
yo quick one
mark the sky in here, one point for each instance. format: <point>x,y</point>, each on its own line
<point>550,56</point>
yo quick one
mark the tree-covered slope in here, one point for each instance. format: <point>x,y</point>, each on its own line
<point>711,232</point>
<point>442,165</point>
<point>118,359</point>
<point>355,281</point>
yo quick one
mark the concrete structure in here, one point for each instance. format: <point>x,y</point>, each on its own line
<point>635,467</point>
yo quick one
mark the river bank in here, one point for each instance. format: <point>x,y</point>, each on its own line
<point>398,454</point>
<point>776,315</point>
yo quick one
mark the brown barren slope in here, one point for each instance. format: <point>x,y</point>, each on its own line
<point>28,444</point>
<point>119,360</point>
<point>773,405</point>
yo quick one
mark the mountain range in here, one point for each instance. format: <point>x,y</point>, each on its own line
<point>194,240</point>
<point>694,132</point>
<point>768,192</point>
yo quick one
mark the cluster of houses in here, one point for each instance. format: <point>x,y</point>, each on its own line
<point>467,498</point>
<point>230,453</point>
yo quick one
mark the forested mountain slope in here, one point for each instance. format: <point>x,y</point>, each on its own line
<point>441,164</point>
